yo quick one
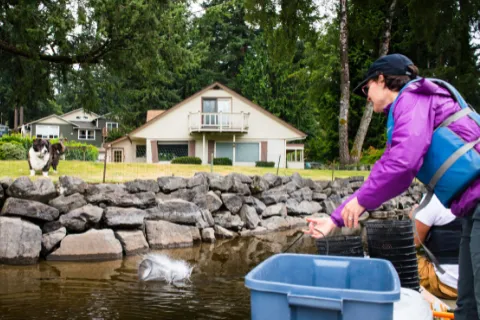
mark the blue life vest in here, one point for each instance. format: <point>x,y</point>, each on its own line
<point>450,164</point>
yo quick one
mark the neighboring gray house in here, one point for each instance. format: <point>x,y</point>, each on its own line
<point>76,125</point>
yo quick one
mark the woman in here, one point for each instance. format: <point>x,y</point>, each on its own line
<point>420,108</point>
<point>439,230</point>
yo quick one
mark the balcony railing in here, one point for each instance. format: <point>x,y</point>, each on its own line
<point>218,122</point>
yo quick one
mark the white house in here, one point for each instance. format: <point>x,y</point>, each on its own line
<point>215,121</point>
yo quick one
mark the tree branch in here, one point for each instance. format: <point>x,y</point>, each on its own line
<point>93,56</point>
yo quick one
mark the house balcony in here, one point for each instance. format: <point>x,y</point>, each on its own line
<point>218,122</point>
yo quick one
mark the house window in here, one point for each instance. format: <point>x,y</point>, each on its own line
<point>141,151</point>
<point>47,132</point>
<point>211,107</point>
<point>117,155</point>
<point>111,126</point>
<point>86,134</point>
<point>167,152</point>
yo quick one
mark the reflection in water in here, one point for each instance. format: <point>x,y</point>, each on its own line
<point>112,290</point>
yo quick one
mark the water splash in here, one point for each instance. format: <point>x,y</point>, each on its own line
<point>163,268</point>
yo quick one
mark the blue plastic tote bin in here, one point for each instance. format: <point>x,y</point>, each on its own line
<point>306,287</point>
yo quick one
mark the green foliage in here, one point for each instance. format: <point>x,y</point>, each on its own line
<point>80,151</point>
<point>371,155</point>
<point>222,162</point>
<point>12,151</point>
<point>265,164</point>
<point>187,160</point>
<point>25,142</point>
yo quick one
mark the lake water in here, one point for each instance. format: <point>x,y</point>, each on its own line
<point>112,290</point>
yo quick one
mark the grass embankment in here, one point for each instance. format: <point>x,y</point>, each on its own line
<point>119,172</point>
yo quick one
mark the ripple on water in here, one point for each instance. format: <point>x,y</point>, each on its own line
<point>111,290</point>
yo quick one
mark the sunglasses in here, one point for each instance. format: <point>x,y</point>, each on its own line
<point>365,90</point>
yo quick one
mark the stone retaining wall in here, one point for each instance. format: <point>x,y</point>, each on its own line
<point>73,220</point>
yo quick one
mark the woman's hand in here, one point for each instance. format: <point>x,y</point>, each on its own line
<point>351,212</point>
<point>319,227</point>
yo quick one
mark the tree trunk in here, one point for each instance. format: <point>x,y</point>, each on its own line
<point>356,153</point>
<point>344,86</point>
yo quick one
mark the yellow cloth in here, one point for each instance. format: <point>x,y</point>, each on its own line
<point>430,281</point>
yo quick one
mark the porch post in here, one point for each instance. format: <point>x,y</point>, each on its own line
<point>296,160</point>
<point>148,151</point>
<point>203,150</point>
<point>234,148</point>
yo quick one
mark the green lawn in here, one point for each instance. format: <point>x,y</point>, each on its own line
<point>118,172</point>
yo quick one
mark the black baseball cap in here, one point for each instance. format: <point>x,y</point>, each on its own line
<point>393,64</point>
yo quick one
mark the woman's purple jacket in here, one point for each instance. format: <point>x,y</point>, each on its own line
<point>419,110</point>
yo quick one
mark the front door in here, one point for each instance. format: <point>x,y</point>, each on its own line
<point>118,155</point>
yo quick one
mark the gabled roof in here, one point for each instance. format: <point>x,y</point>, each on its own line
<point>79,109</point>
<point>53,116</point>
<point>199,93</point>
<point>153,113</point>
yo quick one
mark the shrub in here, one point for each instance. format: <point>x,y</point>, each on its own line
<point>26,142</point>
<point>12,151</point>
<point>187,160</point>
<point>80,151</point>
<point>222,162</point>
<point>371,155</point>
<point>265,164</point>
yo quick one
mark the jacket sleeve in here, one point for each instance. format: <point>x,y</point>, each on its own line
<point>394,171</point>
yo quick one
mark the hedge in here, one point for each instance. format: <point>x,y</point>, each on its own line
<point>222,162</point>
<point>265,164</point>
<point>187,160</point>
<point>12,151</point>
<point>75,150</point>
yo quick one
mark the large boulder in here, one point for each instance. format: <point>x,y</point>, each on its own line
<point>233,202</point>
<point>183,194</point>
<point>240,187</point>
<point>41,190</point>
<point>133,241</point>
<point>66,204</point>
<point>178,211</point>
<point>164,234</point>
<point>29,209</point>
<point>139,185</point>
<point>169,184</point>
<point>249,216</point>
<point>2,195</point>
<point>220,183</point>
<point>226,220</point>
<point>123,199</point>
<point>70,185</point>
<point>116,217</point>
<point>222,233</point>
<point>240,177</point>
<point>20,241</point>
<point>275,223</point>
<point>52,239</point>
<point>303,208</point>
<point>273,180</point>
<point>259,184</point>
<point>275,210</point>
<point>213,202</point>
<point>93,245</point>
<point>196,181</point>
<point>81,219</point>
<point>274,196</point>
<point>208,235</point>
<point>6,182</point>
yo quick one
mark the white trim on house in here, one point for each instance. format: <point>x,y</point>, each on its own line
<point>86,134</point>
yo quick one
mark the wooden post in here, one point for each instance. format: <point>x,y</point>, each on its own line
<point>105,163</point>
<point>211,164</point>
<point>278,165</point>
